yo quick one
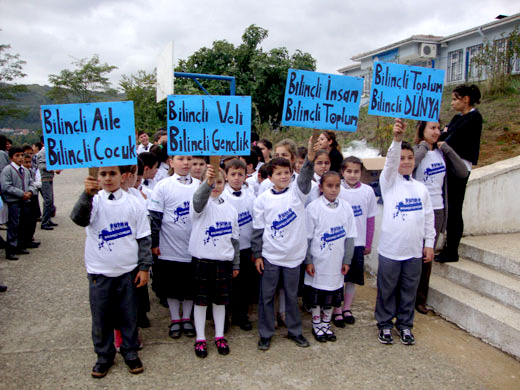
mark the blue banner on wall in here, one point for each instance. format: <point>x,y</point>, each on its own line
<point>403,91</point>
<point>89,135</point>
<point>321,101</point>
<point>209,125</point>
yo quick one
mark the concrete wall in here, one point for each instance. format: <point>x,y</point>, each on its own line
<point>492,202</point>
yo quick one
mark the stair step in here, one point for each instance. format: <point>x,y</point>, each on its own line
<point>500,251</point>
<point>487,281</point>
<point>483,317</point>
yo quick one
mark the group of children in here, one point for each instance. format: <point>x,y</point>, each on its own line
<point>246,233</point>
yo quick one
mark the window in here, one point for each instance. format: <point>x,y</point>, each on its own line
<point>367,80</point>
<point>475,70</point>
<point>454,65</point>
<point>502,56</point>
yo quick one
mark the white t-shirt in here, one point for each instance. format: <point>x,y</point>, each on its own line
<point>111,247</point>
<point>282,216</point>
<point>173,199</point>
<point>408,219</point>
<point>243,204</point>
<point>252,182</point>
<point>364,206</point>
<point>328,228</point>
<point>162,172</point>
<point>141,148</point>
<point>314,193</point>
<point>431,172</point>
<point>213,229</point>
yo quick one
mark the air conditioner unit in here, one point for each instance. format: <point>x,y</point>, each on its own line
<point>428,50</point>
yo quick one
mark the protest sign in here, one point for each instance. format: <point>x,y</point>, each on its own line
<point>209,125</point>
<point>321,101</point>
<point>403,91</point>
<point>89,135</point>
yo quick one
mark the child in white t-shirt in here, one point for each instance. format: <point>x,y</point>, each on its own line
<point>198,167</point>
<point>331,230</point>
<point>279,245</point>
<point>171,228</point>
<point>245,286</point>
<point>149,164</point>
<point>117,258</point>
<point>215,247</point>
<point>363,201</point>
<point>407,236</point>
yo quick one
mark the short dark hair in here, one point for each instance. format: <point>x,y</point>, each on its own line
<point>406,146</point>
<point>268,144</point>
<point>329,174</point>
<point>236,164</point>
<point>127,168</point>
<point>14,150</point>
<point>160,152</point>
<point>39,145</point>
<point>205,158</point>
<point>351,160</point>
<point>148,159</point>
<point>302,151</point>
<point>252,158</point>
<point>26,147</point>
<point>141,133</point>
<point>159,134</point>
<point>265,170</point>
<point>254,136</point>
<point>279,162</point>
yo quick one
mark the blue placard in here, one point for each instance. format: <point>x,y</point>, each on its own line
<point>321,101</point>
<point>209,125</point>
<point>403,91</point>
<point>89,135</point>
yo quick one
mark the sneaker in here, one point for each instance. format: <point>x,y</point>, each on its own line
<point>319,333</point>
<point>101,369</point>
<point>329,333</point>
<point>135,366</point>
<point>407,337</point>
<point>187,328</point>
<point>222,346</point>
<point>118,339</point>
<point>175,330</point>
<point>385,336</point>
<point>201,348</point>
<point>264,343</point>
<point>299,340</point>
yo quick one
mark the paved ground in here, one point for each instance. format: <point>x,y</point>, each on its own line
<point>45,338</point>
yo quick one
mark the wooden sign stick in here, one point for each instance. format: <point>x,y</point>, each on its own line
<point>215,163</point>
<point>93,171</point>
<point>315,135</point>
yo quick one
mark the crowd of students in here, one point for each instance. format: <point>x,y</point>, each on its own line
<point>282,222</point>
<point>23,176</point>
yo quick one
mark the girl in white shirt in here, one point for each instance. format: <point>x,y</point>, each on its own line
<point>331,230</point>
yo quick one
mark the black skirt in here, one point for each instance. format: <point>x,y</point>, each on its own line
<point>322,298</point>
<point>356,273</point>
<point>212,281</point>
<point>173,279</point>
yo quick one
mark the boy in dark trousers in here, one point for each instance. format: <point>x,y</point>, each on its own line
<point>117,257</point>
<point>17,190</point>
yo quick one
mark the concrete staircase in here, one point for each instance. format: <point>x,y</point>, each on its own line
<point>481,292</point>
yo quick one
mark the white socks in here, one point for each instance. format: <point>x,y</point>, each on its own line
<point>174,306</point>
<point>199,315</point>
<point>186,309</point>
<point>219,315</point>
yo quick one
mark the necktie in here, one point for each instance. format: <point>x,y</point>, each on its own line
<point>21,171</point>
<point>407,177</point>
<point>145,182</point>
<point>111,197</point>
<point>237,193</point>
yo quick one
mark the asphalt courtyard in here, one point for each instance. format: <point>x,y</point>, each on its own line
<point>45,340</point>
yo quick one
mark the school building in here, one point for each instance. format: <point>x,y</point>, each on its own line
<point>454,53</point>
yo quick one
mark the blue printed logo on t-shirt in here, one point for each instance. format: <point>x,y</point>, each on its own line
<point>284,219</point>
<point>181,213</point>
<point>220,229</point>
<point>409,205</point>
<point>358,211</point>
<point>116,230</point>
<point>244,218</point>
<point>434,169</point>
<point>328,238</point>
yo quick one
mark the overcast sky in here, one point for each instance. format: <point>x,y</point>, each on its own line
<point>49,34</point>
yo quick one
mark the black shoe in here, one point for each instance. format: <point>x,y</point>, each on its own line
<point>143,321</point>
<point>188,329</point>
<point>175,330</point>
<point>264,343</point>
<point>446,257</point>
<point>201,349</point>
<point>349,319</point>
<point>406,337</point>
<point>11,256</point>
<point>3,288</point>
<point>299,340</point>
<point>135,366</point>
<point>421,308</point>
<point>36,242</point>
<point>33,245</point>
<point>319,335</point>
<point>222,346</point>
<point>338,321</point>
<point>46,227</point>
<point>385,336</point>
<point>52,224</point>
<point>244,324</point>
<point>101,369</point>
<point>20,251</point>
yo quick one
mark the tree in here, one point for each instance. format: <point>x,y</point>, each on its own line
<point>262,75</point>
<point>87,83</point>
<point>140,88</point>
<point>10,69</point>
